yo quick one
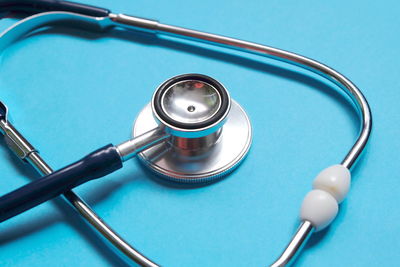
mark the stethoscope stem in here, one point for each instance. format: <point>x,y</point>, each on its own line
<point>132,147</point>
<point>95,165</point>
<point>109,20</point>
<point>28,153</point>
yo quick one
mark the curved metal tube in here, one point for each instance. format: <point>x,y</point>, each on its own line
<point>9,36</point>
<point>120,20</point>
<point>83,208</point>
<point>298,241</point>
<point>326,72</point>
<point>359,101</point>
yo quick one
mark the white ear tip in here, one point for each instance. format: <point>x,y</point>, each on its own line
<point>334,180</point>
<point>319,208</point>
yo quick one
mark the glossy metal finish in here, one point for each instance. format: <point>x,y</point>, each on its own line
<point>15,141</point>
<point>41,166</point>
<point>191,101</point>
<point>132,147</point>
<point>330,74</point>
<point>27,152</point>
<point>130,22</point>
<point>324,71</point>
<point>298,241</point>
<point>11,35</point>
<point>193,160</point>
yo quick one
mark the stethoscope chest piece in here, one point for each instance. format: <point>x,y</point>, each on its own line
<point>191,131</point>
<point>210,134</point>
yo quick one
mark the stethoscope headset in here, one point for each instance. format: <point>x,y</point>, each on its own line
<point>191,132</point>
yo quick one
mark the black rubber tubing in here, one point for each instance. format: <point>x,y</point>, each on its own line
<point>38,6</point>
<point>95,165</point>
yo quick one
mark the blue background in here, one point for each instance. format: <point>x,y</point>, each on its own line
<point>70,92</point>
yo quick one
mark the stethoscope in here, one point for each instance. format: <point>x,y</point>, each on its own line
<point>191,132</point>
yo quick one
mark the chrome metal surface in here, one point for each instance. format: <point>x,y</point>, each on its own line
<point>11,35</point>
<point>41,166</point>
<point>36,161</point>
<point>181,159</point>
<point>130,148</point>
<point>33,158</point>
<point>133,22</point>
<point>326,72</point>
<point>299,239</point>
<point>130,22</point>
<point>191,106</point>
<point>191,101</point>
<point>15,141</point>
<point>199,145</point>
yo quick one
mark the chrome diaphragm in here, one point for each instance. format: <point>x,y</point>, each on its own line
<point>210,134</point>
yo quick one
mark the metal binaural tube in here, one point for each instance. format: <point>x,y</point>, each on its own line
<point>153,26</point>
<point>95,165</point>
<point>15,141</point>
<point>324,71</point>
<point>30,155</point>
<point>299,239</point>
<point>80,205</point>
<point>309,64</point>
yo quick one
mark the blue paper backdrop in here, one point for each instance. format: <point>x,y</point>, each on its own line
<point>70,92</point>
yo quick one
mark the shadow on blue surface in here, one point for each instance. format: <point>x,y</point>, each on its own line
<point>71,217</point>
